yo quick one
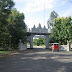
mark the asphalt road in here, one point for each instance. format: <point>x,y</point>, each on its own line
<point>37,60</point>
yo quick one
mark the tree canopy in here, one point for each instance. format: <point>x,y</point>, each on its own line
<point>50,21</point>
<point>5,10</point>
<point>17,26</point>
<point>40,41</point>
<point>11,24</point>
<point>62,30</point>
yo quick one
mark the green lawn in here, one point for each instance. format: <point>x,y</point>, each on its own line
<point>2,52</point>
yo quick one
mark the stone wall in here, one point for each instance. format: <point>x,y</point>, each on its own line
<point>63,47</point>
<point>22,46</point>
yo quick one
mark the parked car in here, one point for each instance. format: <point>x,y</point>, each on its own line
<point>55,46</point>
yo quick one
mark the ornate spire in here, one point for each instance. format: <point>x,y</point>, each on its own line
<point>39,26</point>
<point>34,26</point>
<point>44,27</point>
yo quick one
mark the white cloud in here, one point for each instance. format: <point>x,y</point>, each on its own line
<point>35,6</point>
<point>32,6</point>
<point>67,12</point>
<point>38,5</point>
<point>64,2</point>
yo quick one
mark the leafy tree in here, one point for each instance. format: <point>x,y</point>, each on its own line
<point>53,15</point>
<point>70,32</point>
<point>17,27</point>
<point>62,30</point>
<point>11,23</point>
<point>40,41</point>
<point>5,10</point>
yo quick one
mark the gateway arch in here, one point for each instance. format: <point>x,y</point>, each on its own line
<point>39,31</point>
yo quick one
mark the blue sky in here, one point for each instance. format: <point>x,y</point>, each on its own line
<point>35,13</point>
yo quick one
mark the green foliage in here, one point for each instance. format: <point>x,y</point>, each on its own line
<point>62,30</point>
<point>11,23</point>
<point>5,10</point>
<point>40,41</point>
<point>70,32</point>
<point>53,15</point>
<point>2,52</point>
<point>17,27</point>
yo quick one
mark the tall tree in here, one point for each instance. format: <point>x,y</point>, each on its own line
<point>5,10</point>
<point>53,15</point>
<point>62,30</point>
<point>70,32</point>
<point>17,27</point>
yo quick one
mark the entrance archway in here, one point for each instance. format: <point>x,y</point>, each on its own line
<point>39,31</point>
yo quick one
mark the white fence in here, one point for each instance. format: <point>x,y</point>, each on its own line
<point>65,47</point>
<point>22,46</point>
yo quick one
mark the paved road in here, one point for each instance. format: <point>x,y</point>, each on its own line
<point>37,60</point>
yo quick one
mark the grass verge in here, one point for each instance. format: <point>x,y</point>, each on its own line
<point>3,52</point>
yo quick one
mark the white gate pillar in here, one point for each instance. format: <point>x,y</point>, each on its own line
<point>31,41</point>
<point>47,41</point>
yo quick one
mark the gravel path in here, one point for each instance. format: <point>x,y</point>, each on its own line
<point>37,60</point>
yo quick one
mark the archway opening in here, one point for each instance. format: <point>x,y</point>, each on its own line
<point>39,41</point>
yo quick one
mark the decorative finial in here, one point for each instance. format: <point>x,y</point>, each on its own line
<point>44,27</point>
<point>39,26</point>
<point>34,26</point>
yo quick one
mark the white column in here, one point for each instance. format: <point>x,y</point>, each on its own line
<point>68,46</point>
<point>31,41</point>
<point>47,41</point>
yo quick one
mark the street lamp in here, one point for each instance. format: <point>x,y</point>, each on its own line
<point>10,44</point>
